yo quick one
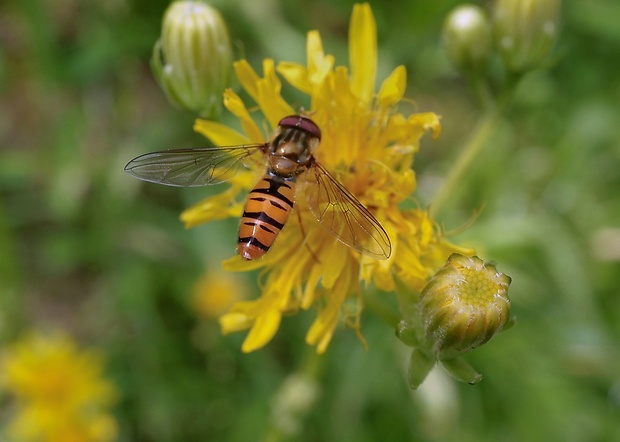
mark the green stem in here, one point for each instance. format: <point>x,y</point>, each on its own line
<point>494,108</point>
<point>480,87</point>
<point>381,309</point>
<point>470,152</point>
<point>311,367</point>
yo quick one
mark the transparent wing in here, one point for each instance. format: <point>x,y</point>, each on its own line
<point>336,209</point>
<point>201,166</point>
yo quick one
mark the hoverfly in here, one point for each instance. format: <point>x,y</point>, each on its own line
<point>288,155</point>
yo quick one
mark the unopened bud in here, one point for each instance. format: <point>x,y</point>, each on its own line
<point>525,31</point>
<point>463,306</point>
<point>192,60</point>
<point>467,37</point>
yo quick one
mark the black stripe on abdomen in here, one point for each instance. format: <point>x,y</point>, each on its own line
<point>266,211</point>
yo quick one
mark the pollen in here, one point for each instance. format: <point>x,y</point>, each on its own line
<point>480,285</point>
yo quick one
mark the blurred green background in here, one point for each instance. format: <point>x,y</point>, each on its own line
<point>87,249</point>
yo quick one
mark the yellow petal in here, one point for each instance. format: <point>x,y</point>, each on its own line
<point>314,51</point>
<point>263,330</point>
<point>336,92</point>
<point>219,206</point>
<point>427,120</point>
<point>296,75</point>
<point>427,229</point>
<point>247,77</point>
<point>309,294</point>
<point>322,329</point>
<point>393,87</point>
<point>380,271</point>
<point>337,258</point>
<point>235,105</point>
<point>234,322</point>
<point>363,52</point>
<point>322,343</point>
<point>219,134</point>
<point>271,103</point>
<point>319,64</point>
<point>407,132</point>
<point>238,264</point>
<point>274,107</point>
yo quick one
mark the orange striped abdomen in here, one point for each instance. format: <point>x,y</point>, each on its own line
<point>266,212</point>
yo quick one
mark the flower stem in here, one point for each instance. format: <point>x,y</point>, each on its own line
<point>470,152</point>
<point>381,309</point>
<point>295,399</point>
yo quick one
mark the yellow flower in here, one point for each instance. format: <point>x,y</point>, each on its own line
<point>215,292</point>
<point>369,147</point>
<point>59,391</point>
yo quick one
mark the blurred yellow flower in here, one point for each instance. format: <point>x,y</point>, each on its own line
<point>215,292</point>
<point>60,394</point>
<point>369,147</point>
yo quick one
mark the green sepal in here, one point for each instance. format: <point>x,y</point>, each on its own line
<point>460,370</point>
<point>408,299</point>
<point>511,323</point>
<point>420,365</point>
<point>407,333</point>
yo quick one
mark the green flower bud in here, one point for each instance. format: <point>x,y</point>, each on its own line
<point>192,60</point>
<point>525,31</point>
<point>463,306</point>
<point>467,37</point>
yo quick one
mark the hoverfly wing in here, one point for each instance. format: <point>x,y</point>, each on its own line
<point>336,209</point>
<point>201,166</point>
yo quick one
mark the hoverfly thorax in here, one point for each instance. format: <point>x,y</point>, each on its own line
<point>293,145</point>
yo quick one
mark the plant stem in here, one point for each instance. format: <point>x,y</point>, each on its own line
<point>471,151</point>
<point>381,309</point>
<point>287,419</point>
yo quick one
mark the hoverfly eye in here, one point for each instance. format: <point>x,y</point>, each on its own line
<point>303,123</point>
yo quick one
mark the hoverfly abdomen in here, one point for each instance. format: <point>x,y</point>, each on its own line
<point>266,212</point>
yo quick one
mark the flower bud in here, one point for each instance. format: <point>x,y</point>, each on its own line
<point>525,31</point>
<point>463,306</point>
<point>192,60</point>
<point>467,37</point>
